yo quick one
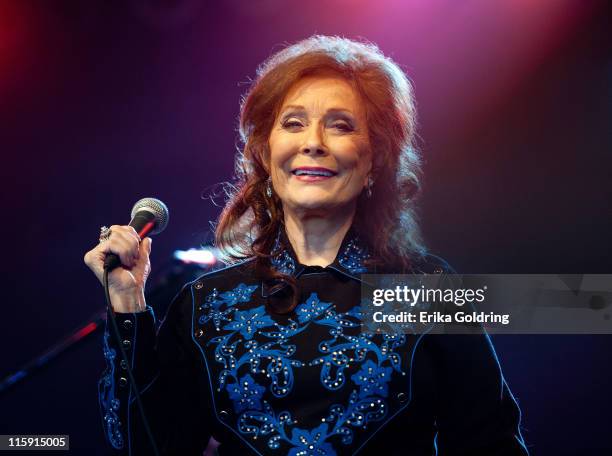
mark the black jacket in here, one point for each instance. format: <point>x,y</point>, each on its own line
<point>304,384</point>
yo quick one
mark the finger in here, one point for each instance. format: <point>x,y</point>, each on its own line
<point>129,231</point>
<point>125,231</point>
<point>143,265</point>
<point>133,241</point>
<point>145,246</point>
<point>133,231</point>
<point>143,259</point>
<point>128,234</point>
<point>120,247</point>
<point>144,250</point>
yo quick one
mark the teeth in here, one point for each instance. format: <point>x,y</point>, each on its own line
<point>302,172</point>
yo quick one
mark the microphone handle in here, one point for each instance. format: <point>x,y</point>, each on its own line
<point>143,222</point>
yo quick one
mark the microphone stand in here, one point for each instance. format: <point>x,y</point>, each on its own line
<point>156,297</point>
<point>92,326</point>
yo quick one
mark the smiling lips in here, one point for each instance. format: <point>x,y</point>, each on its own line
<point>312,173</point>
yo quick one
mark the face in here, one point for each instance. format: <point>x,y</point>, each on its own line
<point>320,154</point>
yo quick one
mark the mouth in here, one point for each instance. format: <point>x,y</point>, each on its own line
<point>313,171</point>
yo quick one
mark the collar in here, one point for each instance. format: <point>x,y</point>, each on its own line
<point>350,260</point>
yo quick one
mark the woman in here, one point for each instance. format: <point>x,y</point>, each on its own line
<point>267,355</point>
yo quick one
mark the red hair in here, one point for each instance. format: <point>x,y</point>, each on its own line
<point>250,220</point>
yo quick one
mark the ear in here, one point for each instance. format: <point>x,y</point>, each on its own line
<point>265,159</point>
<point>372,173</point>
<point>369,173</point>
<point>262,157</point>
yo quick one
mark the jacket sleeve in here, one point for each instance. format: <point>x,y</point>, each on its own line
<point>476,414</point>
<point>165,371</point>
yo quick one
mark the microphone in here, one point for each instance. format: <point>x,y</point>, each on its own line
<point>149,217</point>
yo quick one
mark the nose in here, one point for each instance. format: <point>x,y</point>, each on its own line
<point>314,142</point>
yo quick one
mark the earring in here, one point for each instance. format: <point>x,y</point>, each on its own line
<point>369,187</point>
<point>269,187</point>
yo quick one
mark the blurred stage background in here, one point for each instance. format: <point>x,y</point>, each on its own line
<point>105,102</point>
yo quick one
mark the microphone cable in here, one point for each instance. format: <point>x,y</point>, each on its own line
<point>117,337</point>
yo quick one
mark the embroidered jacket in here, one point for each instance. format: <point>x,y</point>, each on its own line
<point>309,383</point>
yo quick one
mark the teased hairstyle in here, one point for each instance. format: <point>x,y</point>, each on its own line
<point>250,220</point>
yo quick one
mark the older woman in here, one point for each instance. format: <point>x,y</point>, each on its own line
<point>267,355</point>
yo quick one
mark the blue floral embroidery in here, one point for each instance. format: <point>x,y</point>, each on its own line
<point>249,321</point>
<point>311,308</point>
<point>217,317</point>
<point>283,263</point>
<point>266,423</point>
<point>372,379</point>
<point>278,363</point>
<point>311,443</point>
<point>281,259</point>
<point>246,394</point>
<point>214,301</point>
<point>353,256</point>
<point>274,360</point>
<point>213,304</point>
<point>242,293</point>
<point>109,403</point>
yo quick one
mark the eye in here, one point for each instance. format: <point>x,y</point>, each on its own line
<point>292,123</point>
<point>342,126</point>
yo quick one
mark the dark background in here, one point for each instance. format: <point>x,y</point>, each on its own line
<point>105,102</point>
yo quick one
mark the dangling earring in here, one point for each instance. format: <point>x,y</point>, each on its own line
<point>269,187</point>
<point>369,187</point>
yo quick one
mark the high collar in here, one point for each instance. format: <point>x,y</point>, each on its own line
<point>349,261</point>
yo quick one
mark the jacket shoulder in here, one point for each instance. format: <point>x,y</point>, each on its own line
<point>223,278</point>
<point>226,276</point>
<point>428,263</point>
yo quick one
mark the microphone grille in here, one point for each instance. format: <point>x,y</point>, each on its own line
<point>156,207</point>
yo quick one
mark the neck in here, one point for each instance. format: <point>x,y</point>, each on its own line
<point>316,239</point>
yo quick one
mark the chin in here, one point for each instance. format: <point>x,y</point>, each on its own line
<point>323,205</point>
<point>313,204</point>
<point>313,199</point>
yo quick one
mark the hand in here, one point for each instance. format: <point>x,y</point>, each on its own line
<point>125,283</point>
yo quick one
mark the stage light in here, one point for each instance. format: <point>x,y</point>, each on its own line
<point>203,257</point>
